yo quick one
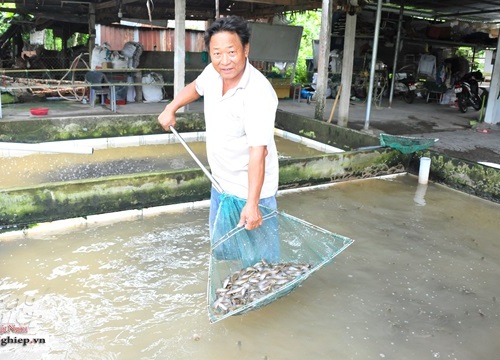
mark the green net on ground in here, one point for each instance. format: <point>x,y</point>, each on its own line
<point>406,144</point>
<point>250,269</point>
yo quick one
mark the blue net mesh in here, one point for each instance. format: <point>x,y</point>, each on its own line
<point>252,268</point>
<point>232,243</point>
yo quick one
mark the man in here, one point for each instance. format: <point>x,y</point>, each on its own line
<point>240,108</point>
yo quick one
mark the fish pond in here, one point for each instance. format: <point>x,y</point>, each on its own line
<point>156,153</point>
<point>419,282</point>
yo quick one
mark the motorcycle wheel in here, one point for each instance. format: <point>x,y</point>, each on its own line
<point>476,102</point>
<point>409,96</point>
<point>463,103</point>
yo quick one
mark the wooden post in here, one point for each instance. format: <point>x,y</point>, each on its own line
<point>323,56</point>
<point>180,47</point>
<point>138,89</point>
<point>347,66</point>
<point>335,103</point>
<point>91,30</point>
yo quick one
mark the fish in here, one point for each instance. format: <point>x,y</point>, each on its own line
<point>244,286</point>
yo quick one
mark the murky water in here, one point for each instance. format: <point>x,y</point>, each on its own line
<point>420,282</point>
<point>47,168</point>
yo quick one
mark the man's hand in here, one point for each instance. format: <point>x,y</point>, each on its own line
<point>187,95</point>
<point>167,119</point>
<point>250,217</point>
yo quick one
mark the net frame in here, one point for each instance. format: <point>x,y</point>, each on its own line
<point>229,230</point>
<point>338,244</point>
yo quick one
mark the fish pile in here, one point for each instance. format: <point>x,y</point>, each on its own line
<point>247,285</point>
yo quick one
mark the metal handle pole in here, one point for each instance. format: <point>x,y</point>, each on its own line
<point>195,158</point>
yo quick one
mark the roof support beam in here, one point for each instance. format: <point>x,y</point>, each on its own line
<point>180,47</point>
<point>270,2</point>
<point>492,114</point>
<point>113,3</point>
<point>347,65</point>
<point>323,56</point>
<point>466,13</point>
<point>373,63</point>
<point>396,54</point>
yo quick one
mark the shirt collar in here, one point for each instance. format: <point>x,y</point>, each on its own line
<point>246,76</point>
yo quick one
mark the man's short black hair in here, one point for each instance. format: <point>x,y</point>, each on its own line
<point>233,24</point>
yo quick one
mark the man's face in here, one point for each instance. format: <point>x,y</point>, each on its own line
<point>228,55</point>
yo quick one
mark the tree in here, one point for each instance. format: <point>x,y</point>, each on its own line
<point>311,22</point>
<point>5,17</point>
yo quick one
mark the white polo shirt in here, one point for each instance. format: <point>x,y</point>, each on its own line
<point>243,117</point>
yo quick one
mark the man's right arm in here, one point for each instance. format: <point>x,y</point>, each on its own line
<point>187,95</point>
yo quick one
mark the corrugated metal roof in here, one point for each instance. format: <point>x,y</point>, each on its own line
<point>74,14</point>
<point>155,39</point>
<point>470,10</point>
<point>107,11</point>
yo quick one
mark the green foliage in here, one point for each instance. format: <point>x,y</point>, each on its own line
<point>311,22</point>
<point>308,134</point>
<point>468,53</point>
<point>6,17</point>
<point>55,43</point>
<point>51,42</point>
<point>78,39</point>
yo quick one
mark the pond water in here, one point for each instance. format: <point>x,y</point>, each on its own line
<point>419,282</point>
<point>33,169</point>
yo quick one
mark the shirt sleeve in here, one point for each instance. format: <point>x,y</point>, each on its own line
<point>261,104</point>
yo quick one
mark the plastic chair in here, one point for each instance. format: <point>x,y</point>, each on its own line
<point>97,77</point>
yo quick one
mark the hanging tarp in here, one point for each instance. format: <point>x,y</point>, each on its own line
<point>274,43</point>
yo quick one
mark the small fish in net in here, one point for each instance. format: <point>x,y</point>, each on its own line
<point>247,285</point>
<point>250,269</point>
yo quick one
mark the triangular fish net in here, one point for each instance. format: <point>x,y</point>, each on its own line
<point>252,268</point>
<point>406,144</point>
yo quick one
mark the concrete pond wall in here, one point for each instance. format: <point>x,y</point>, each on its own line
<point>24,207</point>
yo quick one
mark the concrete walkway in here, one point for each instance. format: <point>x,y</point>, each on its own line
<point>456,136</point>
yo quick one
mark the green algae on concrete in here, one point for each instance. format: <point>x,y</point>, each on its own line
<point>91,127</point>
<point>24,206</point>
<point>338,167</point>
<point>473,178</point>
<point>324,132</point>
<point>47,202</point>
<point>467,176</point>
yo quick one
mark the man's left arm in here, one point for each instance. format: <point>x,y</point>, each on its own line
<point>251,216</point>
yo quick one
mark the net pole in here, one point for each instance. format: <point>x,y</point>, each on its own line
<point>195,158</point>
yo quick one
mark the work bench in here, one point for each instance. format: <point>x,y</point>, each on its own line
<point>117,78</point>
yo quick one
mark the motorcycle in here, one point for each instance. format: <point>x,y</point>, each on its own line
<point>407,86</point>
<point>468,92</point>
